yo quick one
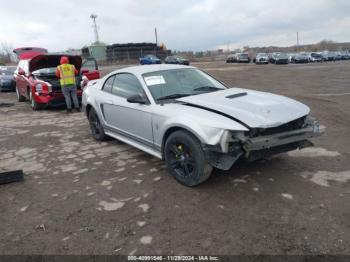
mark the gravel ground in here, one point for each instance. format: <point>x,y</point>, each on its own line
<point>84,197</point>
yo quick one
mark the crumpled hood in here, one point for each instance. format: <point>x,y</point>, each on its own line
<point>253,108</point>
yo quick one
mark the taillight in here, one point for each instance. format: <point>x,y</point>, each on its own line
<point>45,89</point>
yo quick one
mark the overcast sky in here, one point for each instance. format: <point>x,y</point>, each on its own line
<point>182,24</point>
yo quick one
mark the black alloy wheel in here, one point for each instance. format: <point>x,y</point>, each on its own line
<point>185,159</point>
<point>95,126</point>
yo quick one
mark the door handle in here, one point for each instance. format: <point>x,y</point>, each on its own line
<point>109,102</point>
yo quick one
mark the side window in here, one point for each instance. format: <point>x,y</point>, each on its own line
<point>90,64</point>
<point>108,84</point>
<point>126,85</point>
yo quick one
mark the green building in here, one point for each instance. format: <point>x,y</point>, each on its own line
<point>96,50</point>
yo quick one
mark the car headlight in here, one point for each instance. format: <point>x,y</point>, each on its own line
<point>39,88</point>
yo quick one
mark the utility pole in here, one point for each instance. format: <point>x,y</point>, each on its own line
<point>93,17</point>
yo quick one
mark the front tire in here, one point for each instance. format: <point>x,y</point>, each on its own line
<point>35,106</point>
<point>185,159</point>
<point>97,130</point>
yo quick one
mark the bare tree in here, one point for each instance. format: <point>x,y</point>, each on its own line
<point>6,52</point>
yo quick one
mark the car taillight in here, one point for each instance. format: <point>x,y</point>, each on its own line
<point>45,89</point>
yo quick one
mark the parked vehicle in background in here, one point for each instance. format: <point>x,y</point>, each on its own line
<point>300,58</point>
<point>230,58</point>
<point>89,68</point>
<point>192,121</point>
<point>176,60</point>
<point>243,58</point>
<point>291,57</point>
<point>149,60</point>
<point>338,56</point>
<point>238,58</point>
<point>261,58</point>
<point>345,56</point>
<point>279,58</point>
<point>7,81</point>
<point>36,80</point>
<point>315,57</point>
<point>328,56</point>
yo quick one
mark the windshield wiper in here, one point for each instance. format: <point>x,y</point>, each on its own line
<point>207,88</point>
<point>173,96</point>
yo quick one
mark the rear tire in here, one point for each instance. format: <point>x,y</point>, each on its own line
<point>20,98</point>
<point>97,130</point>
<point>185,159</point>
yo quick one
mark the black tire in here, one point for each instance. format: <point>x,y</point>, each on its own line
<point>96,128</point>
<point>20,98</point>
<point>35,106</point>
<point>185,159</point>
<point>11,176</point>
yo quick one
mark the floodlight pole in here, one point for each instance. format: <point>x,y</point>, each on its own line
<point>297,41</point>
<point>156,35</point>
<point>93,17</point>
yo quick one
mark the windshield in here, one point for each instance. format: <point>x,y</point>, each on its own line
<point>152,57</point>
<point>177,83</point>
<point>302,55</point>
<point>243,55</point>
<point>282,56</point>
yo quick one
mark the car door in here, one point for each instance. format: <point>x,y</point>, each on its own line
<point>89,68</point>
<point>21,80</point>
<point>132,120</point>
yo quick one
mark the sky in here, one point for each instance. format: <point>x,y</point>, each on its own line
<point>195,25</point>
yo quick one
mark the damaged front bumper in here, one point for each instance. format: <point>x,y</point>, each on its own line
<point>259,147</point>
<point>312,129</point>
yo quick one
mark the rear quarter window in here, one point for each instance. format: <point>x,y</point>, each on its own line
<point>107,87</point>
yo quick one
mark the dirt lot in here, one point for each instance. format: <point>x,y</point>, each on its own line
<point>84,197</point>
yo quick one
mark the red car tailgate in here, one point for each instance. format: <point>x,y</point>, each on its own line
<point>29,52</point>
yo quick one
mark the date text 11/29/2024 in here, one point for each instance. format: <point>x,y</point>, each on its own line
<point>173,258</point>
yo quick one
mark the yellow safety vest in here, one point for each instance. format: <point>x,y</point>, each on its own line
<point>67,74</point>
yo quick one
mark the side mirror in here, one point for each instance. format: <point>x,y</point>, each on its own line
<point>84,71</point>
<point>137,99</point>
<point>21,72</point>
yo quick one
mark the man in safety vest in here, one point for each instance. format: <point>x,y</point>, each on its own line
<point>66,72</point>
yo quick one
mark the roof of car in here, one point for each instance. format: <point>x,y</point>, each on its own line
<point>143,69</point>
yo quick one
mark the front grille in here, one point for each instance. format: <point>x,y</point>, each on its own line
<point>290,126</point>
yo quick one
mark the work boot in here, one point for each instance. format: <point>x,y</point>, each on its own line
<point>78,109</point>
<point>69,110</point>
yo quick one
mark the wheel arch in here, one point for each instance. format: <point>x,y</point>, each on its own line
<point>87,110</point>
<point>172,130</point>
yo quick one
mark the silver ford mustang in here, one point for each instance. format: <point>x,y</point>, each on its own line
<point>192,121</point>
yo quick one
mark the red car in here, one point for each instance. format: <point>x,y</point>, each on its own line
<point>36,80</point>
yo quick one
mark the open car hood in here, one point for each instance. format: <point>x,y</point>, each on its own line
<point>52,60</point>
<point>29,52</point>
<point>253,108</point>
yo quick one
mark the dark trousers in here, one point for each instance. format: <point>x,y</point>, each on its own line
<point>70,93</point>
